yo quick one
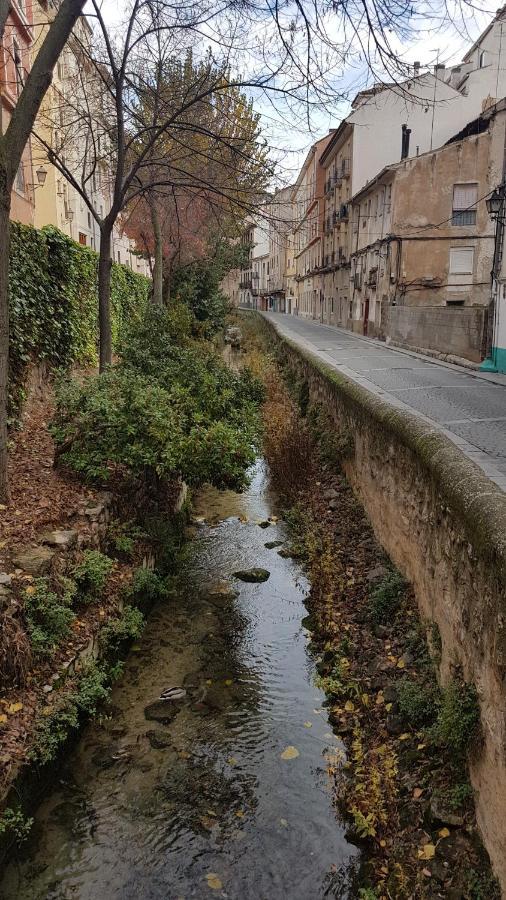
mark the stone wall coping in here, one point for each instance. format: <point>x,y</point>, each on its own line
<point>462,484</point>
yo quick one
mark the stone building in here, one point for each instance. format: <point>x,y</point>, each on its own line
<point>280,216</point>
<point>423,244</point>
<point>336,161</point>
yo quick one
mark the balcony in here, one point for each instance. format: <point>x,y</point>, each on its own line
<point>245,284</point>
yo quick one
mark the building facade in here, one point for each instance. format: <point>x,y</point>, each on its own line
<point>57,202</point>
<point>421,270</point>
<point>15,61</point>
<point>308,211</point>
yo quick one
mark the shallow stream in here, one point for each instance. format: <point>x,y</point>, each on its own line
<point>204,805</point>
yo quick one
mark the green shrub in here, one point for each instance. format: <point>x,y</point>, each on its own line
<point>165,412</point>
<point>91,575</point>
<point>458,720</point>
<point>14,822</point>
<point>127,627</point>
<point>385,598</point>
<point>93,688</point>
<point>418,702</point>
<point>48,616</point>
<point>148,585</point>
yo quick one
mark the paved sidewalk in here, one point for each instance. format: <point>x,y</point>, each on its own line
<point>466,407</point>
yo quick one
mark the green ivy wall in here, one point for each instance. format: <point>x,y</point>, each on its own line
<point>54,303</point>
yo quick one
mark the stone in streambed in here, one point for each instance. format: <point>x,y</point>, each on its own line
<point>221,594</point>
<point>271,545</point>
<point>159,739</point>
<point>264,523</point>
<point>441,815</point>
<point>35,561</point>
<point>254,576</point>
<point>161,711</point>
<point>60,538</point>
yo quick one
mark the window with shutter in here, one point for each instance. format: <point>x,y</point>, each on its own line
<point>465,197</point>
<point>461,260</point>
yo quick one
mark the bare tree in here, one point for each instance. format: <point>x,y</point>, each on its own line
<point>12,144</point>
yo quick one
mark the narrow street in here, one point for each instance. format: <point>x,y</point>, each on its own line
<point>468,408</point>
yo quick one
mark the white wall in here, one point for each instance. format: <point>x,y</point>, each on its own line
<point>378,123</point>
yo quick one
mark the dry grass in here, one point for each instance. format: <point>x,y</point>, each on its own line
<point>15,652</point>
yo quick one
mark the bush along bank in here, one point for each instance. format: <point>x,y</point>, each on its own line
<point>401,779</point>
<point>169,410</point>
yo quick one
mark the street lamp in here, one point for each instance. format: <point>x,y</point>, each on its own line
<point>495,203</point>
<point>496,208</point>
<point>41,174</point>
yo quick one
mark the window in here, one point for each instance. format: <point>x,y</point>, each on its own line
<point>461,260</point>
<point>82,239</point>
<point>119,256</point>
<point>20,179</point>
<point>482,59</point>
<point>16,54</point>
<point>464,204</point>
<point>89,220</point>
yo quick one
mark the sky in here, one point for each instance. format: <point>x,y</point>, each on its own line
<point>289,131</point>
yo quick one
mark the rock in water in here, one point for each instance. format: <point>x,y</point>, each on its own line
<point>252,575</point>
<point>162,711</point>
<point>271,545</point>
<point>158,739</point>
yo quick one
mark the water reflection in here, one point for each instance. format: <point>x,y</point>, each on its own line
<point>203,805</point>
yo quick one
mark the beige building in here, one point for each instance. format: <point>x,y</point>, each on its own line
<point>423,243</point>
<point>337,160</point>
<point>308,211</point>
<point>58,202</point>
<point>280,216</point>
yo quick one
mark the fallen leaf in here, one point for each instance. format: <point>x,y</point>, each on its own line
<point>284,823</point>
<point>380,698</point>
<point>349,706</point>
<point>232,761</point>
<point>417,793</point>
<point>401,664</point>
<point>240,813</point>
<point>228,682</point>
<point>211,812</point>
<point>405,736</point>
<point>388,707</point>
<point>47,710</point>
<point>428,851</point>
<point>427,873</point>
<point>308,724</point>
<point>444,832</point>
<point>3,719</point>
<point>30,590</point>
<point>290,753</point>
<point>14,708</point>
<point>213,881</point>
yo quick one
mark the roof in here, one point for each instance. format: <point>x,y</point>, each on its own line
<point>499,15</point>
<point>338,134</point>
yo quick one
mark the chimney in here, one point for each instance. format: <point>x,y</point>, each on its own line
<point>439,69</point>
<point>416,67</point>
<point>405,141</point>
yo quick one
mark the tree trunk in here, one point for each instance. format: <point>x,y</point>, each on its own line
<point>5,203</point>
<point>104,298</point>
<point>157,294</point>
<point>166,283</point>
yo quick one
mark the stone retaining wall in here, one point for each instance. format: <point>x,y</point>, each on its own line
<point>445,329</point>
<point>443,523</point>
